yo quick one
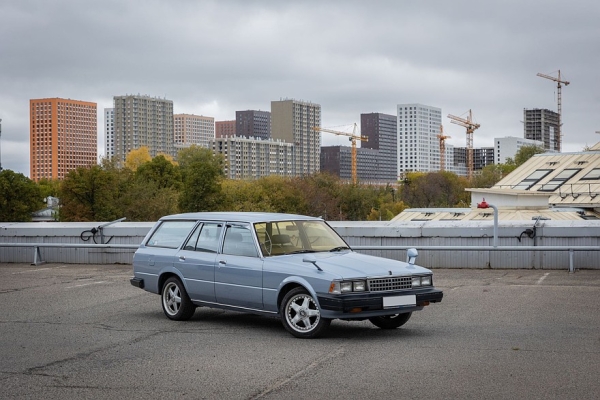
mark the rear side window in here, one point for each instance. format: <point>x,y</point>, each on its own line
<point>170,234</point>
<point>205,238</point>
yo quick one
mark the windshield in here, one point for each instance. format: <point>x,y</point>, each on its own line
<point>288,237</point>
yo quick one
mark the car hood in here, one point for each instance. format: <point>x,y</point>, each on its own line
<point>348,264</point>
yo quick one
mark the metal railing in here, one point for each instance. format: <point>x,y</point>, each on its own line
<point>570,249</point>
<point>37,258</point>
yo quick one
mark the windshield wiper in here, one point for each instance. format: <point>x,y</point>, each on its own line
<point>301,251</point>
<point>339,248</point>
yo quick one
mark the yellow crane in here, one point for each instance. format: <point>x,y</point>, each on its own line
<point>442,138</point>
<point>352,137</point>
<point>471,126</point>
<point>559,83</point>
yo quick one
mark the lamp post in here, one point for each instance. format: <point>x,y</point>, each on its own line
<point>485,204</point>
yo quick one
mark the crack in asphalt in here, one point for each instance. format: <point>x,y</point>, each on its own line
<point>313,365</point>
<point>37,370</point>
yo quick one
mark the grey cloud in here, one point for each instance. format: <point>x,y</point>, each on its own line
<point>216,57</point>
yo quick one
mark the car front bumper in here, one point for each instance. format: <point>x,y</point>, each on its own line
<point>357,304</point>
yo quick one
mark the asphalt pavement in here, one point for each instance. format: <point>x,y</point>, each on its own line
<point>82,331</point>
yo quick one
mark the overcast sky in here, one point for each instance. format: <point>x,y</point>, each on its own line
<point>351,57</point>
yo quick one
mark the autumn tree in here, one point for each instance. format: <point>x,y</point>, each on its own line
<point>202,173</point>
<point>434,189</point>
<point>321,192</point>
<point>137,157</point>
<point>268,194</point>
<point>19,197</point>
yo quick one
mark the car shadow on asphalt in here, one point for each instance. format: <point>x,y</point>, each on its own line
<point>223,320</point>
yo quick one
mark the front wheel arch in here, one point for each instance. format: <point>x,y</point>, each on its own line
<point>301,314</point>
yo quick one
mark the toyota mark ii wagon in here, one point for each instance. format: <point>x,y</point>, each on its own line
<point>290,266</point>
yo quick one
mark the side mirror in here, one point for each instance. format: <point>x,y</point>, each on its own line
<point>309,258</point>
<point>411,255</point>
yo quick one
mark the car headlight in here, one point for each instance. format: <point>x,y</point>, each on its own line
<point>337,287</point>
<point>346,286</point>
<point>426,280</point>
<point>419,281</point>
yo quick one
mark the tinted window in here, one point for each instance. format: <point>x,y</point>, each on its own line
<point>170,234</point>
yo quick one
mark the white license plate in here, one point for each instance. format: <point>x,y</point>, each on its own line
<point>396,301</point>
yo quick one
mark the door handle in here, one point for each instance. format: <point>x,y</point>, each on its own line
<point>222,262</point>
<point>181,258</point>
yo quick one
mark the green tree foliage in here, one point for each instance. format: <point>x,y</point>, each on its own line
<point>49,187</point>
<point>434,189</point>
<point>19,197</point>
<point>356,201</point>
<point>161,171</point>
<point>387,207</point>
<point>90,194</point>
<point>152,191</point>
<point>526,152</point>
<point>491,174</point>
<point>202,174</point>
<point>269,194</point>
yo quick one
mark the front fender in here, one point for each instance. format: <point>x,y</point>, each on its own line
<point>295,280</point>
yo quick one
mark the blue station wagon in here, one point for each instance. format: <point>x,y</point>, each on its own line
<point>289,266</point>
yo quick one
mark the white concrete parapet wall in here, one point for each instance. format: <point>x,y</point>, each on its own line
<point>379,233</point>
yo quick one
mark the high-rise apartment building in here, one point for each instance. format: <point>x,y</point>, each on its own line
<point>63,135</point>
<point>143,121</point>
<point>253,124</point>
<point>193,129</point>
<point>293,121</point>
<point>542,125</point>
<point>109,132</point>
<point>224,128</point>
<point>381,131</point>
<point>376,159</point>
<point>338,161</point>
<point>507,147</point>
<point>418,145</point>
<point>254,158</point>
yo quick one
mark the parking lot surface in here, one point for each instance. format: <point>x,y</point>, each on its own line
<point>82,331</point>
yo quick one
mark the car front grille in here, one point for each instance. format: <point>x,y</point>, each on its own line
<point>391,283</point>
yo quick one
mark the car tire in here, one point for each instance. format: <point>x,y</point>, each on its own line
<point>390,321</point>
<point>175,301</point>
<point>301,316</point>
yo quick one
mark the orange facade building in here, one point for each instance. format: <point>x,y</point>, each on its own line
<point>63,135</point>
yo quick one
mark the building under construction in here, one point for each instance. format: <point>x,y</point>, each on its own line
<point>482,156</point>
<point>542,125</point>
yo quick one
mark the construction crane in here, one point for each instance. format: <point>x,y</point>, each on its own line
<point>559,83</point>
<point>442,138</point>
<point>353,137</point>
<point>471,126</point>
